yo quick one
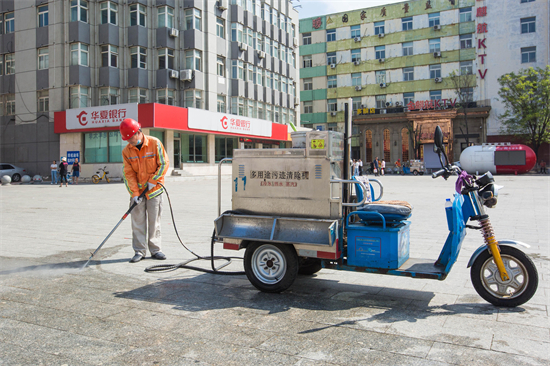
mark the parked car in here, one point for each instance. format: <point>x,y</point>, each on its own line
<point>13,171</point>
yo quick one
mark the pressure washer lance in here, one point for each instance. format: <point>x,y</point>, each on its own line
<point>117,225</point>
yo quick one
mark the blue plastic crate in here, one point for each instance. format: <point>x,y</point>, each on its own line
<point>376,247</point>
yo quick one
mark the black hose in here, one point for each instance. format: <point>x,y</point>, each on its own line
<point>185,264</point>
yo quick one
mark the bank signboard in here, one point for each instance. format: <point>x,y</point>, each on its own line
<point>199,119</point>
<point>100,117</point>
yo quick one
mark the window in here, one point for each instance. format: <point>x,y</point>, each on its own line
<point>380,76</point>
<point>407,98</point>
<point>10,63</point>
<point>43,20</point>
<point>466,41</point>
<point>433,19</point>
<point>109,12</point>
<point>355,31</point>
<point>1,72</point>
<point>308,84</point>
<point>138,57</point>
<point>80,96</point>
<point>526,1</point>
<point>109,56</point>
<point>407,49</point>
<point>331,35</point>
<point>220,28</point>
<point>108,96</point>
<point>193,148</point>
<point>237,32</point>
<point>435,94</point>
<point>43,100</point>
<point>275,49</point>
<point>306,38</point>
<point>331,58</point>
<point>407,23</point>
<point>332,105</point>
<point>355,104</point>
<point>465,14</point>
<point>137,95</point>
<point>193,99</point>
<point>467,94</point>
<point>261,110</point>
<point>79,11</point>
<point>221,104</point>
<point>528,25</point>
<point>332,82</point>
<point>193,19</point>
<point>165,96</point>
<point>259,41</point>
<point>224,147</point>
<point>408,74</point>
<point>378,28</point>
<point>237,106</point>
<point>380,101</point>
<point>356,55</point>
<point>79,54</point>
<point>435,71</point>
<point>466,68</point>
<point>193,60</point>
<point>165,17</point>
<point>10,104</point>
<point>103,147</point>
<point>237,70</point>
<point>380,52</point>
<point>138,15</point>
<point>435,45</point>
<point>10,23</point>
<point>1,30</point>
<point>220,66</point>
<point>528,54</point>
<point>308,61</point>
<point>308,107</point>
<point>276,81</point>
<point>166,58</point>
<point>43,58</point>
<point>356,79</point>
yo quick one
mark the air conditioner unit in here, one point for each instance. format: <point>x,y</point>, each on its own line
<point>174,74</point>
<point>295,42</point>
<point>174,32</point>
<point>363,106</point>
<point>381,35</point>
<point>437,54</point>
<point>333,113</point>
<point>357,39</point>
<point>332,66</point>
<point>437,27</point>
<point>388,104</point>
<point>438,80</point>
<point>186,75</point>
<point>381,60</point>
<point>358,87</point>
<point>222,5</point>
<point>261,54</point>
<point>383,85</point>
<point>357,63</point>
<point>397,104</point>
<point>243,46</point>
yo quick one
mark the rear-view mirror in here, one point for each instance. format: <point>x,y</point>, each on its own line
<point>438,139</point>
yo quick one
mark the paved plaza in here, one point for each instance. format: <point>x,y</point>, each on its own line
<point>114,313</point>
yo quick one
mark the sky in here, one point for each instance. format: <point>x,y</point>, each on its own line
<point>311,8</point>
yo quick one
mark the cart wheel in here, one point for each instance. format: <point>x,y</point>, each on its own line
<point>521,286</point>
<point>415,172</point>
<point>95,179</point>
<point>309,266</point>
<point>271,267</point>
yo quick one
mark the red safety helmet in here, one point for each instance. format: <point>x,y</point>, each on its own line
<point>128,128</point>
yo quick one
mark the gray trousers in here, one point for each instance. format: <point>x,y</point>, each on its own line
<point>145,216</point>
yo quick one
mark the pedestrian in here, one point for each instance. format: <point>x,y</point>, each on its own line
<point>63,169</point>
<point>376,167</point>
<point>542,167</point>
<point>398,166</point>
<point>383,167</point>
<point>372,167</point>
<point>75,171</point>
<point>360,167</point>
<point>145,164</point>
<point>53,168</point>
<point>355,167</point>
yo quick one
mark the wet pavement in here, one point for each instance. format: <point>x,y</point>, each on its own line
<point>113,313</point>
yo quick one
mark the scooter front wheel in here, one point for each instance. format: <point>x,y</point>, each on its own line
<point>95,179</point>
<point>517,290</point>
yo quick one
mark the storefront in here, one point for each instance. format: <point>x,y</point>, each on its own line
<point>195,139</point>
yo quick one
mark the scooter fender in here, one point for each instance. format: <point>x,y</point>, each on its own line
<point>501,242</point>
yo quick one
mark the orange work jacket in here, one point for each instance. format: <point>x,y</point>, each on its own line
<point>148,165</point>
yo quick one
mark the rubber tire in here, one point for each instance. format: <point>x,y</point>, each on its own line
<point>309,266</point>
<point>531,276</point>
<point>107,179</point>
<point>95,179</point>
<point>287,253</point>
<point>16,177</point>
<point>415,172</point>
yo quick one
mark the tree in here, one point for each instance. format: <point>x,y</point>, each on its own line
<point>526,99</point>
<point>463,86</point>
<point>414,137</point>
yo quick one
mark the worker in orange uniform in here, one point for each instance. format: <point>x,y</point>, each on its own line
<point>144,166</point>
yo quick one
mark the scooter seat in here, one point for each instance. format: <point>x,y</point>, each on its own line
<point>391,210</point>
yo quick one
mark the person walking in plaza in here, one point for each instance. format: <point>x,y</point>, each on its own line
<point>75,171</point>
<point>383,167</point>
<point>360,163</point>
<point>542,167</point>
<point>53,169</point>
<point>376,167</point>
<point>355,167</point>
<point>63,169</point>
<point>145,164</point>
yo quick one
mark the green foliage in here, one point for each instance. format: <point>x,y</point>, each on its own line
<point>526,99</point>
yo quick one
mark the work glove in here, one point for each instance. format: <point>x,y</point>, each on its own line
<point>150,186</point>
<point>136,200</point>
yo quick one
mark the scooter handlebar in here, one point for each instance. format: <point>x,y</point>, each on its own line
<point>439,173</point>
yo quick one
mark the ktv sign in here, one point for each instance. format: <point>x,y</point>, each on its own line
<point>229,123</point>
<point>100,117</point>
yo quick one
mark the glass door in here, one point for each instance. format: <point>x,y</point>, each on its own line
<point>177,153</point>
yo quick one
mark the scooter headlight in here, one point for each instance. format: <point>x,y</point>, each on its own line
<point>489,195</point>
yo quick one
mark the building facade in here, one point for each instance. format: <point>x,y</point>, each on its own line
<point>410,66</point>
<point>235,58</point>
